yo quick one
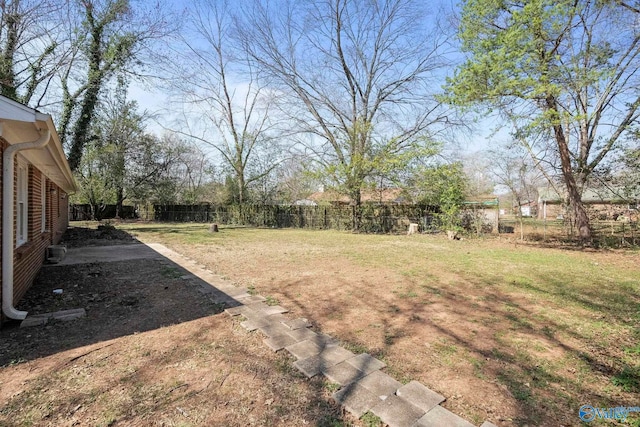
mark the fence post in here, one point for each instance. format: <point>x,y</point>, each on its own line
<point>325,218</point>
<point>300,219</point>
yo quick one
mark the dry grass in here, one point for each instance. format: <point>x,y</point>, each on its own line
<point>518,334</point>
<point>152,351</point>
<point>200,373</point>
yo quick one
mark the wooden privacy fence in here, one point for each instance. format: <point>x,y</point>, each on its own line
<point>373,218</point>
<point>87,212</point>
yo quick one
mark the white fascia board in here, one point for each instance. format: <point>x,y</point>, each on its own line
<point>20,123</point>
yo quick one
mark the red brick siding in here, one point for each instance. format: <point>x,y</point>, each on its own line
<point>28,258</point>
<point>3,145</point>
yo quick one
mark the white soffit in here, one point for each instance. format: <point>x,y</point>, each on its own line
<point>22,124</point>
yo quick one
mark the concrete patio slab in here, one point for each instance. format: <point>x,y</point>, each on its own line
<point>91,254</point>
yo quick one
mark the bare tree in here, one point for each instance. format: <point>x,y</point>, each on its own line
<point>359,76</point>
<point>32,47</point>
<point>295,180</point>
<point>513,169</point>
<point>229,108</point>
<point>187,176</point>
<point>112,37</point>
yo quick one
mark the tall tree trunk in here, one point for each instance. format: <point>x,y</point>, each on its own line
<point>241,188</point>
<point>119,201</point>
<point>575,198</point>
<point>95,78</point>
<point>7,73</point>
<point>82,126</point>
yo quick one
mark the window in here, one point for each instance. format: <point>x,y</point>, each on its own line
<point>22,204</point>
<point>43,203</point>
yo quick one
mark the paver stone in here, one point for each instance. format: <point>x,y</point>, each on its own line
<point>279,342</point>
<point>329,356</point>
<point>420,396</point>
<point>356,399</point>
<point>343,373</point>
<point>299,323</point>
<point>252,299</point>
<point>380,384</point>
<point>439,416</point>
<point>366,363</point>
<point>273,329</point>
<point>304,349</point>
<point>397,412</point>
<point>301,334</point>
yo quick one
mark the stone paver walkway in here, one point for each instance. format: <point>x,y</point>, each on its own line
<point>363,386</point>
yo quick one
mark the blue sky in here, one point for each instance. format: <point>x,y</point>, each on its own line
<point>156,100</point>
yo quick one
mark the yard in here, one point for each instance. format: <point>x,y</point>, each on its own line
<point>518,334</point>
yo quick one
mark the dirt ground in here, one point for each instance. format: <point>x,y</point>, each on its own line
<point>152,351</point>
<point>493,344</point>
<point>518,335</point>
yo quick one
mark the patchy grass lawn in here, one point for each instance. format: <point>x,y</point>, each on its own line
<point>518,334</point>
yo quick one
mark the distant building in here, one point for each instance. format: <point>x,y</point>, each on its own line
<point>481,213</point>
<point>601,203</point>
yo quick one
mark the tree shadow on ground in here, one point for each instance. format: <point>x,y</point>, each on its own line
<point>126,303</point>
<point>546,392</point>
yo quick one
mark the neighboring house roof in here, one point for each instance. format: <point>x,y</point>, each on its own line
<point>591,195</point>
<point>19,123</point>
<point>383,195</point>
<point>305,202</point>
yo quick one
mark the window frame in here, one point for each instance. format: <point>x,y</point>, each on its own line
<point>43,202</point>
<point>22,203</point>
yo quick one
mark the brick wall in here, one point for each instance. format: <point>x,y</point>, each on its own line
<point>29,257</point>
<point>3,145</point>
